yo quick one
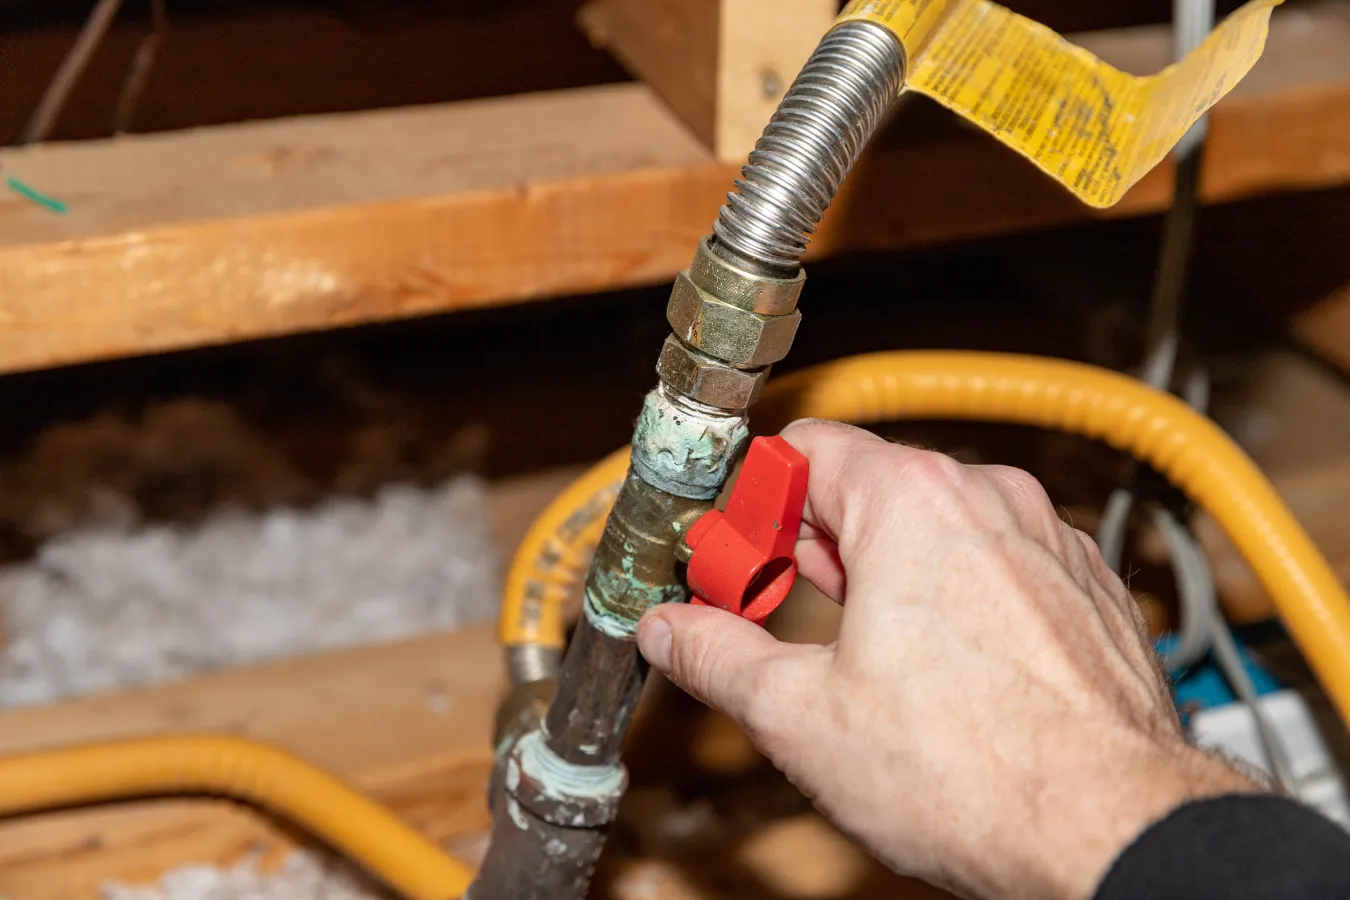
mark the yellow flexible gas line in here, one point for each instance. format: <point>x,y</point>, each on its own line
<point>242,770</point>
<point>551,562</point>
<point>1124,413</point>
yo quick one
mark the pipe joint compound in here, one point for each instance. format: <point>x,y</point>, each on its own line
<point>686,448</point>
<point>559,792</point>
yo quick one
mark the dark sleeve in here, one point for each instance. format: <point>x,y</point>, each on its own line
<point>1234,848</point>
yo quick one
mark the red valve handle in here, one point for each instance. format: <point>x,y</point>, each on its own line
<point>742,559</point>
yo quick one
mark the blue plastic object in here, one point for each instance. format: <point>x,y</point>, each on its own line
<point>1203,686</point>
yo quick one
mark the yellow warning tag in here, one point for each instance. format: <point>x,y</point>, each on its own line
<point>1091,127</point>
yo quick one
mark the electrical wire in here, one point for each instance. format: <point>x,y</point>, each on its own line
<point>147,53</point>
<point>53,101</point>
<point>1201,628</point>
<point>1192,636</point>
<point>1195,593</point>
<point>1193,20</point>
<point>1195,585</point>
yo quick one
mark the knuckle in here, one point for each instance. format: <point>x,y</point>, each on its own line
<point>1027,494</point>
<point>935,474</point>
<point>1094,553</point>
<point>1022,487</point>
<point>1097,563</point>
<point>1021,482</point>
<point>1074,552</point>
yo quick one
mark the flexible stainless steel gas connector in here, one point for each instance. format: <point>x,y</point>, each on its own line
<point>813,140</point>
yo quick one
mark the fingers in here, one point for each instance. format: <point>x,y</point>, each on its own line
<point>878,509</point>
<point>888,507</point>
<point>841,458</point>
<point>730,664</point>
<point>868,497</point>
<point>818,562</point>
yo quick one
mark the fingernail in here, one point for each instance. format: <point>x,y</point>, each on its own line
<point>654,642</point>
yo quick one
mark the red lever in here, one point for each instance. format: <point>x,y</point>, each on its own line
<point>743,558</point>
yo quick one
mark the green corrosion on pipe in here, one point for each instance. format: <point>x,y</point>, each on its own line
<point>684,448</point>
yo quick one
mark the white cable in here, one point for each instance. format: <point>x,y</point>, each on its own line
<point>1195,589</point>
<point>1209,632</point>
<point>1113,526</point>
<point>1195,592</point>
<point>1115,519</point>
<point>58,91</point>
<point>142,65</point>
<point>1202,626</point>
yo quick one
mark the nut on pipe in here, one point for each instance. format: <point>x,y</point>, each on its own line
<point>730,325</point>
<point>549,823</point>
<point>733,283</point>
<point>744,320</point>
<point>739,337</point>
<point>706,380</point>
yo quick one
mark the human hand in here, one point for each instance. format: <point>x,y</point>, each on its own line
<point>992,717</point>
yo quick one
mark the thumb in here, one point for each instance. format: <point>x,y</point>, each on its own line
<point>733,665</point>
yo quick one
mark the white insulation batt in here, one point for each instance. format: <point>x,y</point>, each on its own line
<point>302,877</point>
<point>107,606</point>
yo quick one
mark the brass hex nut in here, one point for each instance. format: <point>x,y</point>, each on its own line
<point>738,337</point>
<point>757,293</point>
<point>707,380</point>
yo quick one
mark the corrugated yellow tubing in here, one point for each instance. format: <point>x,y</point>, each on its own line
<point>1154,427</point>
<point>550,564</point>
<point>1120,411</point>
<point>242,770</point>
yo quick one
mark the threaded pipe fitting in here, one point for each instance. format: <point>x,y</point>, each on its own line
<point>813,140</point>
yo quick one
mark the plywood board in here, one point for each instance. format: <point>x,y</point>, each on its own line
<point>251,231</point>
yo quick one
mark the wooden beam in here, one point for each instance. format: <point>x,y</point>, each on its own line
<point>672,45</point>
<point>252,231</point>
<point>407,723</point>
<point>722,65</point>
<point>1325,327</point>
<point>763,45</point>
